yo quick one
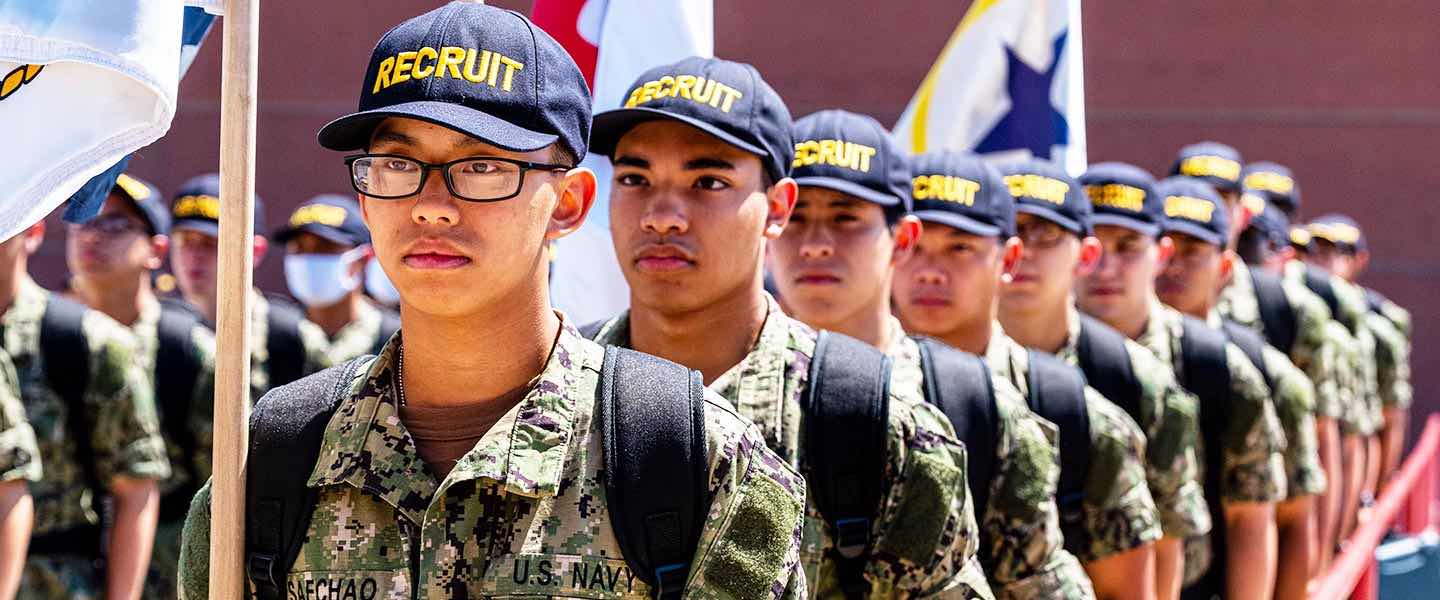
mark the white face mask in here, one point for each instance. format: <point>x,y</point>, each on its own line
<point>378,285</point>
<point>321,279</point>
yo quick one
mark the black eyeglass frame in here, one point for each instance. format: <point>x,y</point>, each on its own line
<point>444,168</point>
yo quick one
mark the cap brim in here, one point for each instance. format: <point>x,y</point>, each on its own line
<point>352,132</point>
<point>1050,214</point>
<point>204,226</point>
<point>1195,231</point>
<point>958,221</point>
<point>1148,229</point>
<point>611,125</point>
<point>285,235</point>
<point>846,186</point>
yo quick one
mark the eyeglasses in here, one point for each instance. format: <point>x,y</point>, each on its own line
<point>1040,233</point>
<point>112,225</point>
<point>477,179</point>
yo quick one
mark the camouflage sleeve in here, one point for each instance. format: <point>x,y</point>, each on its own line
<point>194,573</point>
<point>1315,351</point>
<point>1253,456</point>
<point>126,429</point>
<point>750,546</point>
<point>19,454</point>
<point>1392,361</point>
<point>1172,466</point>
<point>317,348</point>
<point>1117,512</point>
<point>1295,406</point>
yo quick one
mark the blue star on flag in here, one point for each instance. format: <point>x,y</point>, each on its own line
<point>1033,122</point>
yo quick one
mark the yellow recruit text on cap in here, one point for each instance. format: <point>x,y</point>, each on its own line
<point>1211,166</point>
<point>837,153</point>
<point>323,214</point>
<point>1038,187</point>
<point>132,188</point>
<point>466,64</point>
<point>1253,203</point>
<point>1299,236</point>
<point>690,87</point>
<point>1188,207</point>
<point>1269,182</point>
<point>203,207</point>
<point>945,187</point>
<point>1339,233</point>
<point>1117,195</point>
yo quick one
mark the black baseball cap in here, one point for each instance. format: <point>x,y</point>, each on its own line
<point>1340,230</point>
<point>330,216</point>
<point>1123,195</point>
<point>483,71</point>
<point>1274,182</point>
<point>1192,207</point>
<point>852,154</point>
<point>1267,219</point>
<point>728,100</point>
<point>1217,164</point>
<point>147,200</point>
<point>960,190</point>
<point>197,206</point>
<point>1042,188</point>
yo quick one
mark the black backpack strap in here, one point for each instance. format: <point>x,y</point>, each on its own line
<point>590,330</point>
<point>66,355</point>
<point>1319,282</point>
<point>283,341</point>
<point>958,383</point>
<point>286,431</point>
<point>1207,375</point>
<point>389,324</point>
<point>177,372</point>
<point>652,412</point>
<point>1276,315</point>
<point>1375,301</point>
<point>1251,344</point>
<point>847,406</point>
<point>1106,365</point>
<point>1057,393</point>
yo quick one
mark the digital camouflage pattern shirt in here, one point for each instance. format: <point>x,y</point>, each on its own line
<point>1392,361</point>
<point>523,514</point>
<point>358,337</point>
<point>317,346</point>
<point>925,537</point>
<point>1361,415</point>
<point>19,454</point>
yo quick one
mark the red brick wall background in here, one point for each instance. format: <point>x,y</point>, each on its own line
<point>1343,93</point>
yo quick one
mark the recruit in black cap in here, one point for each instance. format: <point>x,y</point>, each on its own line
<point>146,199</point>
<point>1267,220</point>
<point>728,100</point>
<point>852,154</point>
<point>331,216</point>
<point>1123,195</point>
<point>1192,207</point>
<point>1217,164</point>
<point>1340,230</point>
<point>1042,188</point>
<point>1274,182</point>
<point>960,190</point>
<point>196,206</point>
<point>483,71</point>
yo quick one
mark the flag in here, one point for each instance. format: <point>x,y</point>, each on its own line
<point>83,83</point>
<point>613,42</point>
<point>1009,84</point>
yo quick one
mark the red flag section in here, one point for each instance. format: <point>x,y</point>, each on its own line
<point>561,19</point>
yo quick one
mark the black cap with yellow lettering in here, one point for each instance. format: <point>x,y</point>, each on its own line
<point>1123,195</point>
<point>330,216</point>
<point>146,199</point>
<point>728,100</point>
<point>1042,188</point>
<point>1217,164</point>
<point>483,71</point>
<point>197,206</point>
<point>1267,220</point>
<point>958,189</point>
<point>1275,183</point>
<point>1340,230</point>
<point>1193,208</point>
<point>852,154</point>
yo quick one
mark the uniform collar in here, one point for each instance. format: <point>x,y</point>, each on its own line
<point>764,367</point>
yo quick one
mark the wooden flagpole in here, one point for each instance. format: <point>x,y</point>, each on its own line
<point>232,364</point>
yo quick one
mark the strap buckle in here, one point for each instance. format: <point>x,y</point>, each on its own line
<point>670,579</point>
<point>261,569</point>
<point>852,536</point>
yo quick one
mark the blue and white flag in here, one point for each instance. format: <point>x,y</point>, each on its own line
<point>1008,84</point>
<point>83,83</point>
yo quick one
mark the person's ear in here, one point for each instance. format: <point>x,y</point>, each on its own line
<point>1164,250</point>
<point>1362,260</point>
<point>780,202</point>
<point>1010,257</point>
<point>34,237</point>
<point>1227,267</point>
<point>906,234</point>
<point>261,248</point>
<point>1090,252</point>
<point>159,249</point>
<point>576,198</point>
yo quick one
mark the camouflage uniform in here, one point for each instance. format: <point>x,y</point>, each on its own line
<point>125,437</point>
<point>523,514</point>
<point>1117,512</point>
<point>1392,360</point>
<point>918,552</point>
<point>1022,545</point>
<point>317,347</point>
<point>1362,412</point>
<point>19,454</point>
<point>1254,464</point>
<point>356,338</point>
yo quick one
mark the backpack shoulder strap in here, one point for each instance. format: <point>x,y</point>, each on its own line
<point>1105,362</point>
<point>1057,393</point>
<point>66,354</point>
<point>1251,344</point>
<point>1276,314</point>
<point>286,431</point>
<point>177,372</point>
<point>847,405</point>
<point>1319,282</point>
<point>652,414</point>
<point>286,347</point>
<point>389,324</point>
<point>590,330</point>
<point>1207,375</point>
<point>958,383</point>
